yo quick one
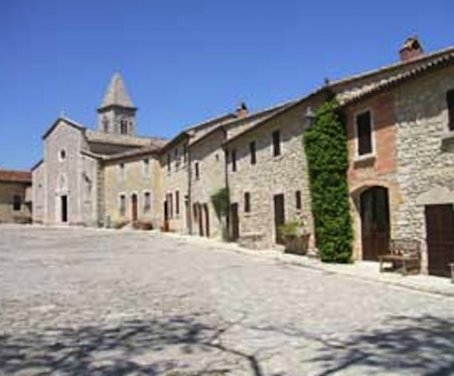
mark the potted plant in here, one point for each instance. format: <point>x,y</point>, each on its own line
<point>296,237</point>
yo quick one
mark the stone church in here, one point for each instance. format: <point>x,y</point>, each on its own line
<point>68,183</point>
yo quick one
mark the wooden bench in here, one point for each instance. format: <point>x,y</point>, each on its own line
<point>406,252</point>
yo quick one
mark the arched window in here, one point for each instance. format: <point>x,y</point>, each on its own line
<point>124,126</point>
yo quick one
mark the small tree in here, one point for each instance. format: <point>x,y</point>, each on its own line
<point>221,204</point>
<point>327,156</point>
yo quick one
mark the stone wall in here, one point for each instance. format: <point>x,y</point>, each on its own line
<point>283,174</point>
<point>39,193</point>
<point>135,180</point>
<point>378,169</point>
<point>425,150</point>
<point>7,191</point>
<point>88,189</point>
<point>208,153</point>
<point>176,180</point>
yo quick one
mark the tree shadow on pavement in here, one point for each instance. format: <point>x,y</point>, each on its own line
<point>412,345</point>
<point>170,346</point>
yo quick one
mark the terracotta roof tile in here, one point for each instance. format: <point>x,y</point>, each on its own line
<point>16,176</point>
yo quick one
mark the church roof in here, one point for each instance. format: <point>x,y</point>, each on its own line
<point>116,94</point>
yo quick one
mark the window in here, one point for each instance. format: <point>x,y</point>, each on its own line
<point>121,171</point>
<point>233,156</point>
<point>364,133</point>
<point>298,202</point>
<point>177,159</point>
<point>252,152</point>
<point>17,203</point>
<point>185,153</point>
<point>450,100</point>
<point>169,158</point>
<point>62,155</point>
<point>146,202</point>
<point>105,124</point>
<point>247,202</point>
<point>276,143</point>
<point>197,170</point>
<point>122,205</point>
<point>177,202</point>
<point>124,126</point>
<point>146,168</point>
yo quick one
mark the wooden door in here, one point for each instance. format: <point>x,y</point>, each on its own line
<point>279,217</point>
<point>200,218</point>
<point>234,222</point>
<point>207,220</point>
<point>166,215</point>
<point>134,207</point>
<point>440,238</point>
<point>64,208</point>
<point>375,229</point>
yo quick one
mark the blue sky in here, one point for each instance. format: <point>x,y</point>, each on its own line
<point>185,61</point>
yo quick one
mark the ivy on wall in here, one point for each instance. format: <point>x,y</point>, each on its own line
<point>221,204</point>
<point>326,150</point>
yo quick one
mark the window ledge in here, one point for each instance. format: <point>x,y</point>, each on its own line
<point>364,158</point>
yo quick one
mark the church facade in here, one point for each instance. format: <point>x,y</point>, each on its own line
<point>70,182</point>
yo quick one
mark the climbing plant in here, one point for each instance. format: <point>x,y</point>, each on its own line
<point>220,201</point>
<point>221,204</point>
<point>326,150</point>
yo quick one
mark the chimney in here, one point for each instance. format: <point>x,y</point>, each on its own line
<point>411,50</point>
<point>242,111</point>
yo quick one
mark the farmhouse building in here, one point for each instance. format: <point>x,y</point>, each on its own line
<point>15,196</point>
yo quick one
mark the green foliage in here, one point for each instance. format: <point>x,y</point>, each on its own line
<point>293,228</point>
<point>290,229</point>
<point>326,151</point>
<point>221,202</point>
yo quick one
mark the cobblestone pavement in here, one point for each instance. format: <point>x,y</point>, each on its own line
<point>94,302</point>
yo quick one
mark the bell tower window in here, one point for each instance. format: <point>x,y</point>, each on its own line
<point>105,125</point>
<point>124,126</point>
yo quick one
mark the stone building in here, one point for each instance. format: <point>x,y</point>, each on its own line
<point>132,182</point>
<point>209,172</point>
<point>68,184</point>
<point>399,126</point>
<point>267,175</point>
<point>15,196</point>
<point>176,174</point>
<point>401,163</point>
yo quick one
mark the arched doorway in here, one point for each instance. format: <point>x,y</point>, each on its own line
<point>375,228</point>
<point>134,207</point>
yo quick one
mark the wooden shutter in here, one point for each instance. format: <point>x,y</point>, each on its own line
<point>450,101</point>
<point>276,143</point>
<point>252,151</point>
<point>364,132</point>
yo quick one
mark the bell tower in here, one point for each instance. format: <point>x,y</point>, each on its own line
<point>117,113</point>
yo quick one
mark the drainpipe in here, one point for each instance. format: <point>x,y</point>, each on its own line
<point>226,176</point>
<point>189,193</point>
